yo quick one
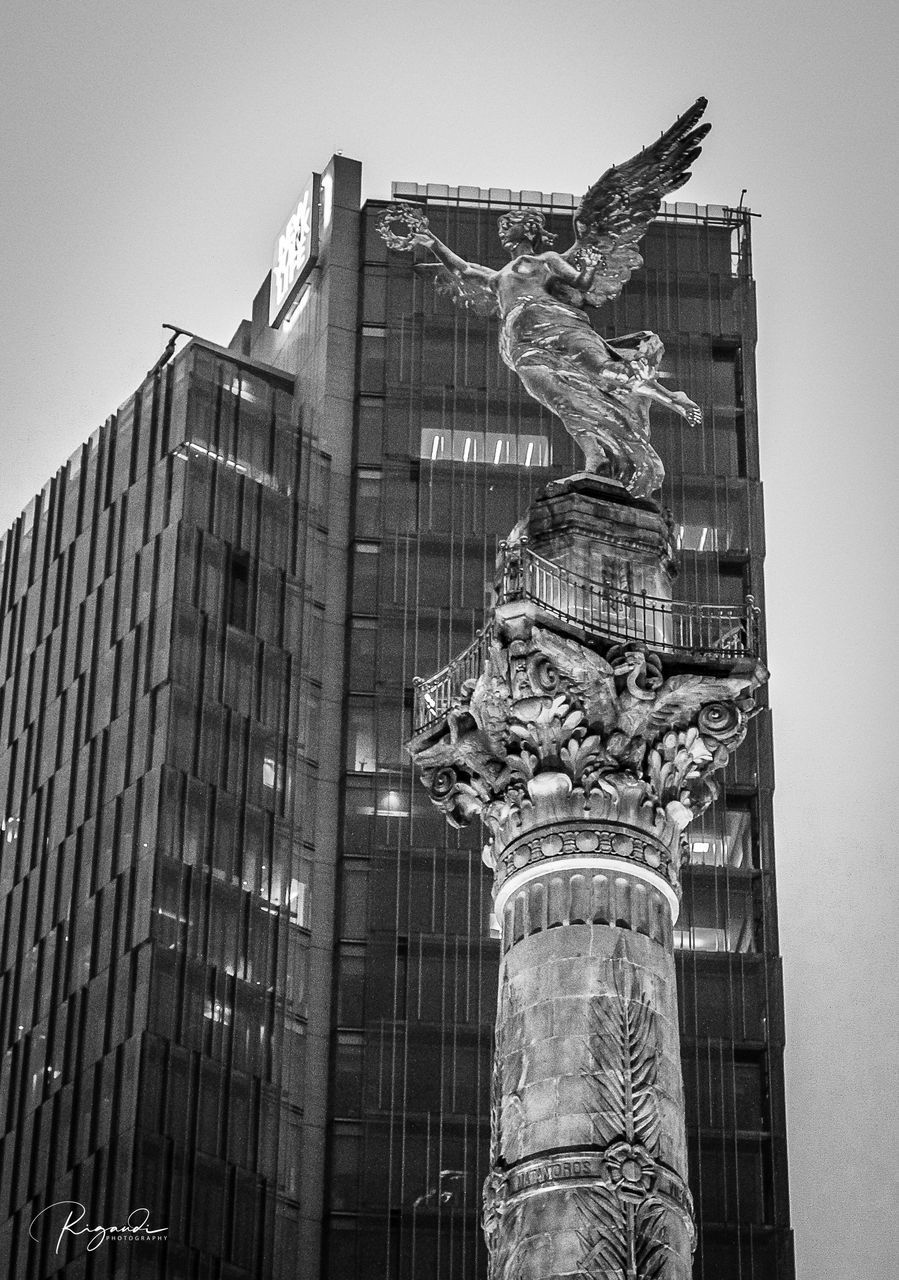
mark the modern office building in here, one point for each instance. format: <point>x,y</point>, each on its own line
<point>247,973</point>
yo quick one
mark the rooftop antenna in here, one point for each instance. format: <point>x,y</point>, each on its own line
<point>169,349</point>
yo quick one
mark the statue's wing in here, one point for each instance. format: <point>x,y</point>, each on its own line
<point>472,292</point>
<point>613,216</point>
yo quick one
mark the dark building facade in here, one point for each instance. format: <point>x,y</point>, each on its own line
<point>247,973</point>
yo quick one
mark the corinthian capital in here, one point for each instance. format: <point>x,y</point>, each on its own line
<point>551,730</point>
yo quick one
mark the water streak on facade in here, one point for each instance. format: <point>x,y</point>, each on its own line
<point>247,974</point>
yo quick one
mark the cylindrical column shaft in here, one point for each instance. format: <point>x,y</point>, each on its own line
<point>589,1152</point>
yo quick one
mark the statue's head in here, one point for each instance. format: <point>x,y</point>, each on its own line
<point>524,231</point>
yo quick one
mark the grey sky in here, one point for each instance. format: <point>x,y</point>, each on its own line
<point>150,152</point>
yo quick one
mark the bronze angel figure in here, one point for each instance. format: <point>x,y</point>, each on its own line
<point>601,390</point>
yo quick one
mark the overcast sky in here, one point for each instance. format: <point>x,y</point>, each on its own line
<point>151,149</point>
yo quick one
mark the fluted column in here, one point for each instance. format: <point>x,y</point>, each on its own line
<point>585,761</point>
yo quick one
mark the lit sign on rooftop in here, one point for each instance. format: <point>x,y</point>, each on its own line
<point>295,253</point>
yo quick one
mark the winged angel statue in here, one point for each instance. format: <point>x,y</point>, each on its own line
<point>601,390</point>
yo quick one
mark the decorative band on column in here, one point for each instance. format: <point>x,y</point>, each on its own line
<point>600,1207</point>
<point>581,891</point>
<point>617,840</point>
<point>586,848</point>
<point>624,1167</point>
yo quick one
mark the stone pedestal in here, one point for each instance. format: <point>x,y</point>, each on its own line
<point>586,758</point>
<point>594,528</point>
<point>610,558</point>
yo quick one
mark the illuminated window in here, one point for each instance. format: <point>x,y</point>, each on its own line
<point>468,446</point>
<point>696,537</point>
<point>496,448</point>
<point>717,914</point>
<point>392,805</point>
<point>361,748</point>
<point>217,1011</point>
<point>722,837</point>
<point>170,927</point>
<point>297,902</point>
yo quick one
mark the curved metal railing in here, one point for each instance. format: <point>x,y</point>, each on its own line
<point>676,627</point>
<point>673,627</point>
<point>435,696</point>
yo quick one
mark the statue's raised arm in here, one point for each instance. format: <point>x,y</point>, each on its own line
<point>600,390</point>
<point>467,283</point>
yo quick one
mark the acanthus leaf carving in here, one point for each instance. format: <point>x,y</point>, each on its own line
<point>546,725</point>
<point>616,725</point>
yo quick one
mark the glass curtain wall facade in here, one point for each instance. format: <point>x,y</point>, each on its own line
<point>161,626</point>
<point>449,453</point>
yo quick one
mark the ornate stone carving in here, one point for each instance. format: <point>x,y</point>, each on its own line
<point>582,839</point>
<point>550,720</point>
<point>585,764</point>
<point>622,1074</point>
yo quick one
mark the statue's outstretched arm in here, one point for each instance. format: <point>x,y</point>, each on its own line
<point>449,259</point>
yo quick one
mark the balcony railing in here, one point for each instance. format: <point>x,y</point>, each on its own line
<point>682,630</point>
<point>435,696</point>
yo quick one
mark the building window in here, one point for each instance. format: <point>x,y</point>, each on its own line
<point>372,372</point>
<point>298,902</point>
<point>239,590</point>
<point>368,502</point>
<point>365,577</point>
<point>348,1074</point>
<point>354,900</point>
<point>497,448</point>
<point>726,390</point>
<point>346,1155</point>
<point>350,986</point>
<point>218,1010</point>
<point>363,653</point>
<point>723,836</point>
<point>731,583</point>
<point>361,742</point>
<point>713,516</point>
<point>718,913</point>
<point>370,436</point>
<point>271,774</point>
<point>374,297</point>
